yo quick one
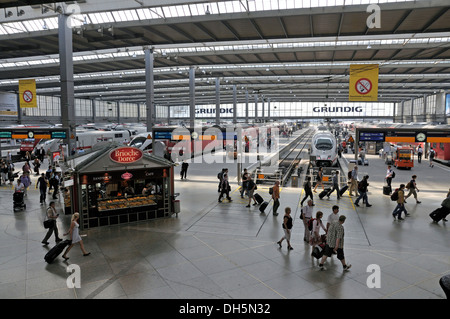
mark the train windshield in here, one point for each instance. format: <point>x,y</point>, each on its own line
<point>324,144</point>
<point>139,141</point>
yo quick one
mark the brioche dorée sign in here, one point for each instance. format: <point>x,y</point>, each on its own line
<point>126,155</point>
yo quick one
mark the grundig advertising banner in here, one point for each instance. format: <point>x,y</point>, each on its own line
<point>363,86</point>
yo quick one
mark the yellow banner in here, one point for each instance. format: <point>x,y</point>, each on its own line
<point>27,93</point>
<point>363,84</point>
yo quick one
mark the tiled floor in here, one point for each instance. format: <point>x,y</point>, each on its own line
<point>224,250</point>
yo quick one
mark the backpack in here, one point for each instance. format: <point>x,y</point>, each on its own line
<point>311,223</point>
<point>393,174</point>
<point>220,175</point>
<point>394,195</point>
<point>349,174</point>
<point>432,154</point>
<point>271,191</point>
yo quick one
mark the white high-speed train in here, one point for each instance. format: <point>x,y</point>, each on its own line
<point>323,150</point>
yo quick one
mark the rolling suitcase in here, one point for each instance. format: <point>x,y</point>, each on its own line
<point>258,198</point>
<point>438,214</point>
<point>263,207</point>
<point>343,190</point>
<point>55,251</point>
<point>324,193</point>
<point>387,190</point>
<point>317,252</point>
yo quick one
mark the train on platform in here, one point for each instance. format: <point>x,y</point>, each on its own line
<point>324,150</point>
<point>194,141</point>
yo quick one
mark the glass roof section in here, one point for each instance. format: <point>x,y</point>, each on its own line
<point>177,11</point>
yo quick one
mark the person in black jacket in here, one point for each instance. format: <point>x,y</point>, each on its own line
<point>362,189</point>
<point>184,168</point>
<point>42,184</point>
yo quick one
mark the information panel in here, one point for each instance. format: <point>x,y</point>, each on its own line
<point>371,136</point>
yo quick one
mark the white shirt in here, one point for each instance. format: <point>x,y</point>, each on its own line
<point>307,211</point>
<point>316,226</point>
<point>389,173</point>
<point>333,218</point>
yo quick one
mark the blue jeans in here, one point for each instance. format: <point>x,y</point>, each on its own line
<point>398,210</point>
<point>363,196</point>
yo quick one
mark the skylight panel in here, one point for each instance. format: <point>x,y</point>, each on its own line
<point>101,17</point>
<point>14,27</point>
<point>125,15</point>
<point>32,25</point>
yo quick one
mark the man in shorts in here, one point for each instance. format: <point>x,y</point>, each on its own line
<point>335,243</point>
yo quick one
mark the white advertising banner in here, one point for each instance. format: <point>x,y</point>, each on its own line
<point>8,105</point>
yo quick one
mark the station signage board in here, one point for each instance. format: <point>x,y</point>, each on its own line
<point>371,136</point>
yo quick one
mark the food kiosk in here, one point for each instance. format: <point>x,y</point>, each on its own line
<point>120,184</point>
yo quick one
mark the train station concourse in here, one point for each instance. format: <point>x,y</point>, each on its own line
<point>196,151</point>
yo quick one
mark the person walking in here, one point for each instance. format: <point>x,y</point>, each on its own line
<point>362,189</point>
<point>184,168</point>
<point>319,179</point>
<point>52,215</point>
<point>353,181</point>
<point>42,184</point>
<point>335,244</point>
<point>4,172</point>
<point>225,188</point>
<point>220,177</point>
<point>244,182</point>
<point>316,238</point>
<point>307,212</point>
<point>55,183</point>
<point>26,181</point>
<point>389,176</point>
<point>276,197</point>
<point>419,153</point>
<point>333,217</point>
<point>308,190</point>
<point>287,226</point>
<point>251,187</point>
<point>74,236</point>
<point>412,186</point>
<point>400,204</point>
<point>335,185</point>
<point>431,155</point>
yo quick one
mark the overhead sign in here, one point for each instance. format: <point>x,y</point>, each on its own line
<point>27,93</point>
<point>371,136</point>
<point>126,155</point>
<point>8,105</point>
<point>363,84</point>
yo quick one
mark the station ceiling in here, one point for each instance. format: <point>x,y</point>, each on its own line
<point>278,49</point>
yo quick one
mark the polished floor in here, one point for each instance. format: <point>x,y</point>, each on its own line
<point>227,251</point>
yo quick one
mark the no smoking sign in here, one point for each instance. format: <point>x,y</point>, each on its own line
<point>28,96</point>
<point>363,86</point>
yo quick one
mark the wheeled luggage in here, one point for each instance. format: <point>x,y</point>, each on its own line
<point>258,198</point>
<point>51,255</point>
<point>438,214</point>
<point>318,251</point>
<point>263,207</point>
<point>366,162</point>
<point>343,190</point>
<point>323,193</point>
<point>387,190</point>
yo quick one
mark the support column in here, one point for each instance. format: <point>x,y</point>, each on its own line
<point>263,116</point>
<point>168,114</point>
<point>402,112</point>
<point>424,112</point>
<point>268,108</point>
<point>256,106</point>
<point>149,88</point>
<point>94,111</point>
<point>192,96</point>
<point>66,79</point>
<point>217,101</point>
<point>246,106</point>
<point>234,104</point>
<point>412,111</point>
<point>118,112</point>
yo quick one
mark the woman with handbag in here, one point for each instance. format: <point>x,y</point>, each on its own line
<point>74,236</point>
